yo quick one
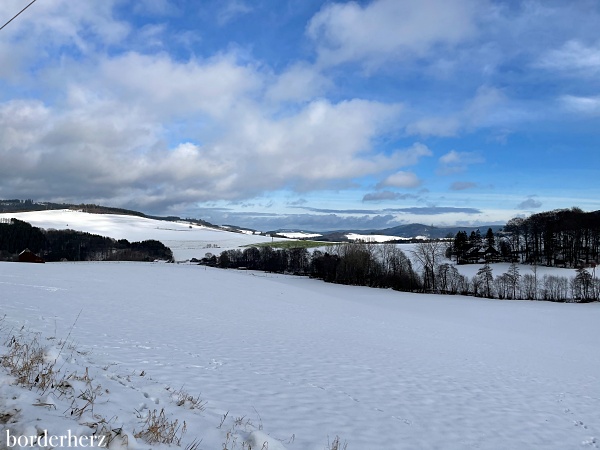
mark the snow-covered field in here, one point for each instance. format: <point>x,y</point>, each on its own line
<point>304,360</point>
<point>184,239</point>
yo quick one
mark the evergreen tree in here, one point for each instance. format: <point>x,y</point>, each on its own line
<point>460,245</point>
<point>490,239</point>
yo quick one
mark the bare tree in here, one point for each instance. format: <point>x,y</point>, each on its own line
<point>428,256</point>
<point>487,278</point>
<point>513,279</point>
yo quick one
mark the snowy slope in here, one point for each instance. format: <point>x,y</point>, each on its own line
<point>186,240</point>
<point>305,360</point>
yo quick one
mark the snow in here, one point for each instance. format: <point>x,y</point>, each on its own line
<point>186,240</point>
<point>295,362</point>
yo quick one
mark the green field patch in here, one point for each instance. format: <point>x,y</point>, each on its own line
<point>293,244</point>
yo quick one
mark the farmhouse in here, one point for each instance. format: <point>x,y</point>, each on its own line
<point>480,254</point>
<point>29,257</point>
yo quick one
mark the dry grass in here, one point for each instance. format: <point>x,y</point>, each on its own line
<point>336,444</point>
<point>183,398</point>
<point>158,429</point>
<point>26,360</point>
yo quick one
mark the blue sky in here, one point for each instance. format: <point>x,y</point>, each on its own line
<point>304,114</point>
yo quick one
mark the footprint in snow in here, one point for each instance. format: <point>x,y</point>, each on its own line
<point>402,419</point>
<point>591,442</point>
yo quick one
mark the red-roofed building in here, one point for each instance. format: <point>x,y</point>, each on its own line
<point>29,257</point>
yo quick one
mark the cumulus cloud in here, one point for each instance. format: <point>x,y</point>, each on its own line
<point>34,38</point>
<point>300,82</point>
<point>530,203</point>
<point>111,137</point>
<point>401,179</point>
<point>167,87</point>
<point>383,29</point>
<point>157,130</point>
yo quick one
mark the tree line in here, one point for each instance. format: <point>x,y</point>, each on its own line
<point>568,238</point>
<point>57,245</point>
<point>359,264</point>
<point>439,276</point>
<point>425,271</point>
<point>562,238</point>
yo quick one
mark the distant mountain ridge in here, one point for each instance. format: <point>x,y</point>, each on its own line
<point>408,231</point>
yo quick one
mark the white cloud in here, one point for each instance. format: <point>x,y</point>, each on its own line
<point>321,142</point>
<point>401,179</point>
<point>382,29</point>
<point>42,34</point>
<point>109,143</point>
<point>456,162</point>
<point>299,82</point>
<point>160,84</point>
<point>411,155</point>
<point>583,105</point>
<point>573,57</point>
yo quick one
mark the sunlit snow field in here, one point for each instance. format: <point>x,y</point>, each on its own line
<point>308,360</point>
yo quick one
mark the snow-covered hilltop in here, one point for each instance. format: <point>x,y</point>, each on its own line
<point>186,240</point>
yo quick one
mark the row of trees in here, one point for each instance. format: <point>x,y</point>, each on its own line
<point>361,264</point>
<point>440,277</point>
<point>386,266</point>
<point>583,287</point>
<point>56,245</point>
<point>564,237</point>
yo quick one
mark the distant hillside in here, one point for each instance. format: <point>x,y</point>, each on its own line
<point>16,205</point>
<point>409,231</point>
<point>417,229</point>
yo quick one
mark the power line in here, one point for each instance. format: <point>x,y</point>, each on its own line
<point>17,15</point>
